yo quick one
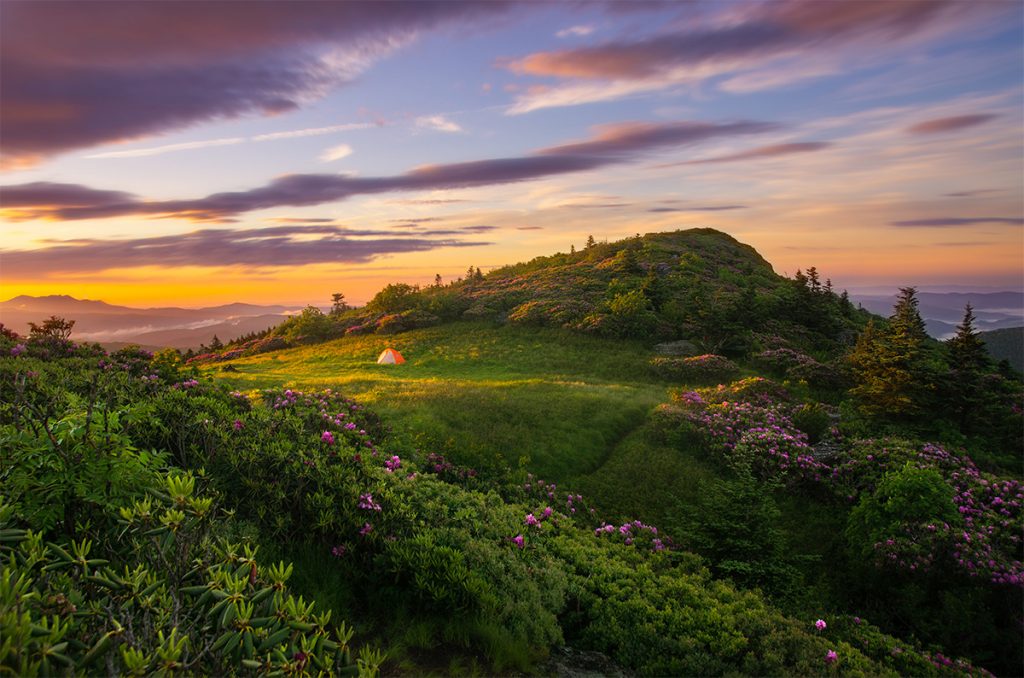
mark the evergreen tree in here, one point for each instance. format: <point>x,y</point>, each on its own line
<point>890,368</point>
<point>572,249</point>
<point>845,306</point>
<point>968,360</point>
<point>216,344</point>
<point>590,241</point>
<point>338,304</point>
<point>967,352</point>
<point>906,328</point>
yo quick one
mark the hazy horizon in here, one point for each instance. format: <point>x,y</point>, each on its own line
<point>195,154</point>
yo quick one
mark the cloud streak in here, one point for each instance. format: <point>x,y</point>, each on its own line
<point>772,151</point>
<point>79,74</point>
<point>229,141</point>
<point>609,145</point>
<point>702,208</point>
<point>254,248</point>
<point>948,222</point>
<point>951,124</point>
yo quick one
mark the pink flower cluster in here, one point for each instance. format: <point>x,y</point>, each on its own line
<point>632,533</point>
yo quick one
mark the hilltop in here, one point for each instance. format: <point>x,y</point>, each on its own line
<point>698,285</point>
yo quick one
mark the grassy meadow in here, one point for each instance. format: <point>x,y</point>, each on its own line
<point>555,402</point>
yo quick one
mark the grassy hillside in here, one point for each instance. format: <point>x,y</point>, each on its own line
<point>486,396</point>
<point>700,285</point>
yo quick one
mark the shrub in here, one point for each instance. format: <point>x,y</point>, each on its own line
<point>702,368</point>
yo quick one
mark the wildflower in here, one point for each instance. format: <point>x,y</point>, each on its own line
<point>831,657</point>
<point>518,540</point>
<point>238,425</point>
<point>339,551</point>
<point>820,625</point>
<point>393,463</point>
<point>531,520</point>
<point>546,514</point>
<point>19,349</point>
<point>327,437</point>
<point>367,503</point>
<point>366,529</point>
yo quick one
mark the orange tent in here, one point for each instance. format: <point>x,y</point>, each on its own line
<point>390,357</point>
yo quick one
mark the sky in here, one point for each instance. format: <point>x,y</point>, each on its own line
<point>194,153</point>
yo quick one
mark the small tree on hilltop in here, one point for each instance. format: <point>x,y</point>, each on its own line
<point>338,304</point>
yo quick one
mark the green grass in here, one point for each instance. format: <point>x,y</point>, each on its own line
<point>489,397</point>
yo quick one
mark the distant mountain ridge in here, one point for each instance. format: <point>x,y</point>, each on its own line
<point>168,326</point>
<point>943,311</point>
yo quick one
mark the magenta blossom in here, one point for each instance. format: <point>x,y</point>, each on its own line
<point>327,437</point>
<point>546,513</point>
<point>366,529</point>
<point>531,520</point>
<point>518,540</point>
<point>820,625</point>
<point>238,425</point>
<point>831,657</point>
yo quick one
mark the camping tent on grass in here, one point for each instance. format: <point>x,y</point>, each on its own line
<point>390,357</point>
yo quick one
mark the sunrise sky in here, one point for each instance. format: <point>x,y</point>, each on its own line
<point>275,152</point>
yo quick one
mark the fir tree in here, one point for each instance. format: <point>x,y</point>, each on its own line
<point>890,368</point>
<point>968,360</point>
<point>216,344</point>
<point>338,304</point>
<point>967,352</point>
<point>591,242</point>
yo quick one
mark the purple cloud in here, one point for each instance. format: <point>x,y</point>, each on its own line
<point>972,194</point>
<point>942,222</point>
<point>251,248</point>
<point>753,32</point>
<point>703,208</point>
<point>78,74</point>
<point>951,124</point>
<point>772,151</point>
<point>612,144</point>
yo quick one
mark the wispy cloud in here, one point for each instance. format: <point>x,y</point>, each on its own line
<point>972,194</point>
<point>575,31</point>
<point>946,222</point>
<point>951,124</point>
<point>250,248</point>
<point>437,123</point>
<point>608,145</point>
<point>312,131</point>
<point>699,208</point>
<point>336,153</point>
<point>230,141</point>
<point>773,151</point>
<point>169,148</point>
